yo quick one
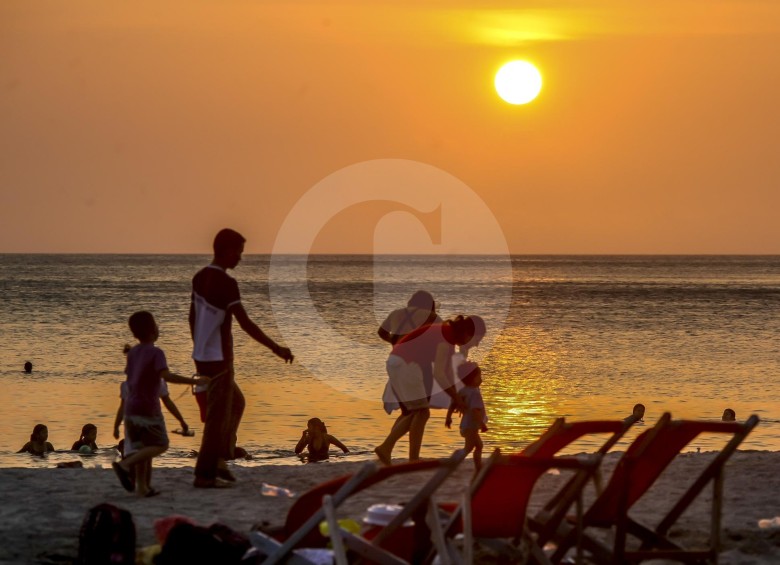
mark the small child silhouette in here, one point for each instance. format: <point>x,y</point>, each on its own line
<point>474,418</point>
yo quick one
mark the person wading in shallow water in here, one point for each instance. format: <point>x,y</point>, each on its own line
<point>317,441</point>
<point>215,302</point>
<point>38,444</point>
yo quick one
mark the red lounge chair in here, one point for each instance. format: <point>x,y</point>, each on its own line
<point>558,436</point>
<point>494,509</point>
<point>641,465</point>
<point>554,439</point>
<point>391,545</point>
<point>563,433</point>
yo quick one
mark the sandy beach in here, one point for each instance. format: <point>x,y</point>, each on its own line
<point>42,509</point>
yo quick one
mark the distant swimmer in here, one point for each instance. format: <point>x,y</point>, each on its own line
<point>637,414</point>
<point>729,415</point>
<point>316,439</point>
<point>28,367</point>
<point>38,444</point>
<point>86,442</point>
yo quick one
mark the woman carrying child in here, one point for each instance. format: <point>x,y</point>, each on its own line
<point>406,366</point>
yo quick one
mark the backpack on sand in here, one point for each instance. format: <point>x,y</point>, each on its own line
<point>107,537</point>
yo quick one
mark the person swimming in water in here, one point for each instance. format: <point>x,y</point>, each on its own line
<point>637,414</point>
<point>38,444</point>
<point>88,437</point>
<point>316,439</point>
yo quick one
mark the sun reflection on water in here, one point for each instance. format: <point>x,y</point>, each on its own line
<point>520,385</point>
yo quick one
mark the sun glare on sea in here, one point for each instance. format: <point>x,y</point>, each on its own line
<point>518,82</point>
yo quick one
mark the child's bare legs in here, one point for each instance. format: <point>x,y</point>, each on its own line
<point>474,442</point>
<point>143,480</point>
<point>142,460</point>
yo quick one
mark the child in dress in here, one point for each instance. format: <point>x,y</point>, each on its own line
<point>474,418</point>
<point>145,430</point>
<point>38,444</point>
<point>88,437</point>
<point>317,440</point>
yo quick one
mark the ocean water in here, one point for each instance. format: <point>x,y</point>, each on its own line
<point>583,337</point>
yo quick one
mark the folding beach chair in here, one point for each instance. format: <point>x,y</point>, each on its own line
<point>494,509</point>
<point>301,527</point>
<point>382,548</point>
<point>282,550</point>
<point>638,469</point>
<point>562,433</point>
<point>557,437</point>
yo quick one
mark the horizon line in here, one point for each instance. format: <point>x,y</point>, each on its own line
<point>299,254</point>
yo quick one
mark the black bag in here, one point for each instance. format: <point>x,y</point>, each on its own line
<point>107,537</point>
<point>191,544</point>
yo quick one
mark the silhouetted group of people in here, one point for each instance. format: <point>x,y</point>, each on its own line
<point>426,371</point>
<point>215,301</point>
<point>427,367</point>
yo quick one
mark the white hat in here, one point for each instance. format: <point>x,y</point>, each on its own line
<point>383,514</point>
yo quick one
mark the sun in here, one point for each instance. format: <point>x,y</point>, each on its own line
<point>518,82</point>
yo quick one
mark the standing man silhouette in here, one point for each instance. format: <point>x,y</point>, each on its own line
<point>215,302</point>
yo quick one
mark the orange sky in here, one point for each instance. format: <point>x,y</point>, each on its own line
<point>146,126</point>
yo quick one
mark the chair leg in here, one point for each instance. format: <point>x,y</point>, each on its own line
<point>468,532</point>
<point>446,557</point>
<point>579,507</point>
<point>336,540</point>
<point>537,554</point>
<point>717,505</point>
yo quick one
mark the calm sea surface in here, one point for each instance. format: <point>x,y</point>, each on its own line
<point>584,337</point>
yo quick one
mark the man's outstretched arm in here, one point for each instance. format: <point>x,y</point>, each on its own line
<point>254,331</point>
